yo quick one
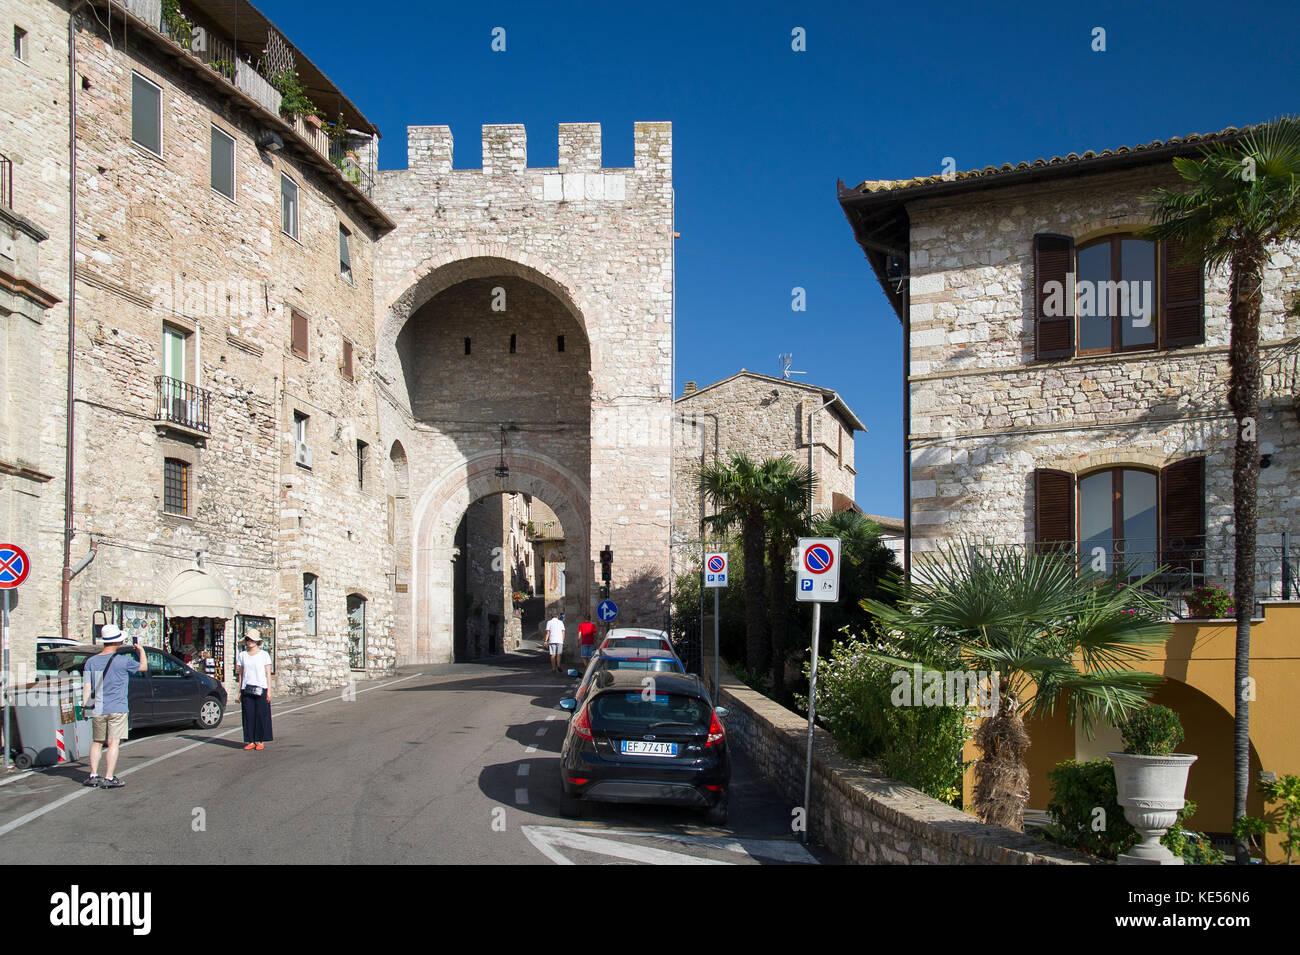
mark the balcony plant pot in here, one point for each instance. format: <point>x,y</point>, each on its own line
<point>1151,790</point>
<point>312,120</point>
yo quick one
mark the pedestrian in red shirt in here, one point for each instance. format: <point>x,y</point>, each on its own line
<point>587,637</point>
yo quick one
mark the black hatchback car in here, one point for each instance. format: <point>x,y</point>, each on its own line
<point>629,743</point>
<point>169,692</point>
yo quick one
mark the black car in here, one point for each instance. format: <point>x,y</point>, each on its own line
<point>661,745</point>
<point>168,692</point>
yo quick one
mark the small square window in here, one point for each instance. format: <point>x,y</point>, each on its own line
<point>345,254</point>
<point>288,206</point>
<point>146,114</point>
<point>176,487</point>
<point>223,163</point>
<point>20,43</point>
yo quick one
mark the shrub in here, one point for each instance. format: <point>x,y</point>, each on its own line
<point>918,745</point>
<point>1079,790</point>
<point>1152,731</point>
<point>1206,601</point>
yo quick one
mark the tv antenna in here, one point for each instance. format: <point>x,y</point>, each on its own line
<point>786,360</point>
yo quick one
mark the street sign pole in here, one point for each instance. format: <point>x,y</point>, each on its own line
<point>5,698</point>
<point>717,684</point>
<point>812,705</point>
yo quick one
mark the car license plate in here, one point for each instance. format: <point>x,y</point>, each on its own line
<point>640,747</point>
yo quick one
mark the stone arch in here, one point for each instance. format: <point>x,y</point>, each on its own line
<point>437,516</point>
<point>472,261</point>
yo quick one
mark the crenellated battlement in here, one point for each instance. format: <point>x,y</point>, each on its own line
<point>430,150</point>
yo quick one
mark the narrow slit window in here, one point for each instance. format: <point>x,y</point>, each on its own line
<point>467,346</point>
<point>20,43</point>
<point>559,343</point>
<point>223,163</point>
<point>512,344</point>
<point>146,114</point>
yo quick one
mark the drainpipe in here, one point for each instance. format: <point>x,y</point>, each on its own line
<point>907,430</point>
<point>66,610</point>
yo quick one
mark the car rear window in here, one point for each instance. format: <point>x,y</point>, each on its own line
<point>633,643</point>
<point>615,712</point>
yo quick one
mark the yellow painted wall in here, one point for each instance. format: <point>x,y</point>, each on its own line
<point>1197,662</point>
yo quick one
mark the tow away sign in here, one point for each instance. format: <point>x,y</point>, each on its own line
<point>817,574</point>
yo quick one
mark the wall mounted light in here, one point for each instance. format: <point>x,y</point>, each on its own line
<point>269,142</point>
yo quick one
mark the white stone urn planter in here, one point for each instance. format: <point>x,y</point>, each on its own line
<point>1151,790</point>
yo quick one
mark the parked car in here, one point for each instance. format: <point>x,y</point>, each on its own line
<point>638,637</point>
<point>627,658</point>
<point>625,745</point>
<point>169,692</point>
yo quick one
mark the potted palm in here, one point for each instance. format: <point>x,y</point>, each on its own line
<point>1150,779</point>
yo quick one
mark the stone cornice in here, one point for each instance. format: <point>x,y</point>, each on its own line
<point>23,471</point>
<point>108,285</point>
<point>28,290</point>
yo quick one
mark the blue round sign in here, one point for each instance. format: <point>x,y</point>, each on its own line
<point>607,610</point>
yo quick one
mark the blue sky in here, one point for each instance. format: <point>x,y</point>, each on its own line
<point>761,132</point>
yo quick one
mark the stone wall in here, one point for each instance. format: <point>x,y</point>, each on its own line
<point>581,251</point>
<point>34,136</point>
<point>858,813</point>
<point>985,414</point>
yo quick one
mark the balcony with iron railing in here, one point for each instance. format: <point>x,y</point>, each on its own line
<point>1179,565</point>
<point>182,405</point>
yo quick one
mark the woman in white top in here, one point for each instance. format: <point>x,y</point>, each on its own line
<point>252,667</point>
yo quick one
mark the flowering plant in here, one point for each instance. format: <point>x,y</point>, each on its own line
<point>1205,601</point>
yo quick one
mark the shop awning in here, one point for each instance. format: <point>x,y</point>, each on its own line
<point>197,593</point>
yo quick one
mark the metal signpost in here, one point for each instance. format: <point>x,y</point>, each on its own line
<point>14,567</point>
<point>817,579</point>
<point>715,576</point>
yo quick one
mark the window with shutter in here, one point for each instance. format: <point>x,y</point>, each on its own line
<point>347,360</point>
<point>1182,496</point>
<point>1053,296</point>
<point>1053,509</point>
<point>298,334</point>
<point>1182,308</point>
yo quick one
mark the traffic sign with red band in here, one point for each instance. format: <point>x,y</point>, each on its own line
<point>14,566</point>
<point>716,564</point>
<point>818,559</point>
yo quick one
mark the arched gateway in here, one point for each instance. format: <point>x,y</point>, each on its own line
<point>524,345</point>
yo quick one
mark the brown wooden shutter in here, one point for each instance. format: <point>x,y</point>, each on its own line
<point>1182,514</point>
<point>298,334</point>
<point>347,360</point>
<point>1053,262</point>
<point>1053,509</point>
<point>1182,308</point>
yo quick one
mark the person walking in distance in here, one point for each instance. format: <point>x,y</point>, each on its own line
<point>555,640</point>
<point>106,678</point>
<point>251,668</point>
<point>587,638</point>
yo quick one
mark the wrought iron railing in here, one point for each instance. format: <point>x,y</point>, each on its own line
<point>183,404</point>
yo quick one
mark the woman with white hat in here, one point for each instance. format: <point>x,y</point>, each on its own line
<point>251,667</point>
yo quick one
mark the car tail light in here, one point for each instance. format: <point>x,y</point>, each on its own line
<point>578,780</point>
<point>716,732</point>
<point>582,725</point>
<point>710,788</point>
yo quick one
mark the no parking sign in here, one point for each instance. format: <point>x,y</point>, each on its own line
<point>818,573</point>
<point>715,569</point>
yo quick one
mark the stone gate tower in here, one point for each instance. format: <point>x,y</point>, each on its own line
<point>524,344</point>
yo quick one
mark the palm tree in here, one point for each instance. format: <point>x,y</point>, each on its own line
<point>736,492</point>
<point>786,489</point>
<point>1050,634</point>
<point>1243,199</point>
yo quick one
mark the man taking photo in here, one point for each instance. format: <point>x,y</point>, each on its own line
<point>106,678</point>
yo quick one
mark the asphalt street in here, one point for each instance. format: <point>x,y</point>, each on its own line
<point>454,764</point>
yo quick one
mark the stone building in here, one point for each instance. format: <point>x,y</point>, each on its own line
<point>1099,431</point>
<point>762,417</point>
<point>1102,427</point>
<point>293,375</point>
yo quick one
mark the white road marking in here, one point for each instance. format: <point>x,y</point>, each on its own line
<point>541,731</point>
<point>521,797</point>
<point>523,769</point>
<point>37,813</point>
<point>531,749</point>
<point>547,838</point>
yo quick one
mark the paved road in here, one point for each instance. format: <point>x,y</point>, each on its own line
<point>445,764</point>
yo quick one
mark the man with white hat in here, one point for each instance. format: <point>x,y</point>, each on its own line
<point>108,681</point>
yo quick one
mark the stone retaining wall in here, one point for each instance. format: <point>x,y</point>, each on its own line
<point>858,813</point>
